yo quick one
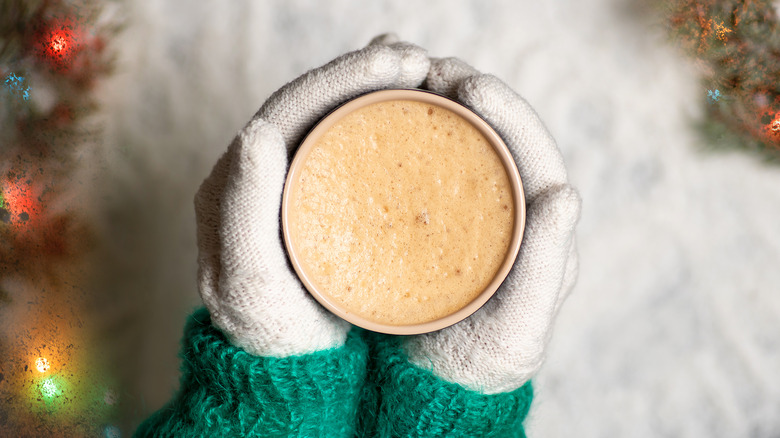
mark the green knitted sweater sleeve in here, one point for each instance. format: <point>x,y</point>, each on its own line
<point>227,392</point>
<point>403,400</point>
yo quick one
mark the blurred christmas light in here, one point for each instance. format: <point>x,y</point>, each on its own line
<point>714,96</point>
<point>774,126</point>
<point>721,31</point>
<point>18,201</point>
<point>58,43</point>
<point>15,85</point>
<point>112,432</point>
<point>736,45</point>
<point>57,387</point>
<point>42,364</point>
<point>49,388</point>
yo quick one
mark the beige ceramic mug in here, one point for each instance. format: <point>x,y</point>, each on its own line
<point>403,211</point>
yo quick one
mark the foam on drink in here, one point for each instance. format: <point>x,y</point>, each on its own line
<point>403,212</point>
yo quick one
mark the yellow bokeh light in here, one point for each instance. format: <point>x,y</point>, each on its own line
<point>721,30</point>
<point>42,364</point>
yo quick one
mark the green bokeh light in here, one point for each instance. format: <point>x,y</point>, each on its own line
<point>49,388</point>
<point>52,391</point>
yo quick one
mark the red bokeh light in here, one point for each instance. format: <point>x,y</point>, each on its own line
<point>774,125</point>
<point>66,43</point>
<point>59,46</point>
<point>773,128</point>
<point>20,202</point>
<point>58,43</point>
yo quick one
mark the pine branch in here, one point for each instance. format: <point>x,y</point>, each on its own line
<point>737,43</point>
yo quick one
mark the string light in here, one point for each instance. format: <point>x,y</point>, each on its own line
<point>111,432</point>
<point>19,201</point>
<point>775,126</point>
<point>49,360</point>
<point>16,85</point>
<point>772,129</point>
<point>42,364</point>
<point>49,388</point>
<point>58,43</point>
<point>721,31</point>
<point>714,96</point>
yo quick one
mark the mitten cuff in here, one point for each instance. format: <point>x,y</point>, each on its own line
<point>411,401</point>
<point>226,391</point>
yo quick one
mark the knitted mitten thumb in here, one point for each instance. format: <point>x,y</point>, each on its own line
<point>501,346</point>
<point>244,276</point>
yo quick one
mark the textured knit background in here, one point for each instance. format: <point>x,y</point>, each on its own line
<point>674,326</point>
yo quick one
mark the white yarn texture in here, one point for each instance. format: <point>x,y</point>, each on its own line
<point>502,345</point>
<point>255,297</point>
<point>244,276</point>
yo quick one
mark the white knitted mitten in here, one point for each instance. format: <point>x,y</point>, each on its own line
<point>501,346</point>
<point>244,276</point>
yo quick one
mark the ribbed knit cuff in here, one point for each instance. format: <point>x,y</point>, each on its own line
<point>408,401</point>
<point>226,391</point>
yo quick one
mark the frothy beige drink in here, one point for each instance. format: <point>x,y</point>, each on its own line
<point>402,213</point>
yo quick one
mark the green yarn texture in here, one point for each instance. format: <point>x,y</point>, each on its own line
<point>367,388</point>
<point>403,400</point>
<point>227,392</point>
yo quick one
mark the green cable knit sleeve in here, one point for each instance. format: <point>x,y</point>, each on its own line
<point>227,392</point>
<point>404,400</point>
